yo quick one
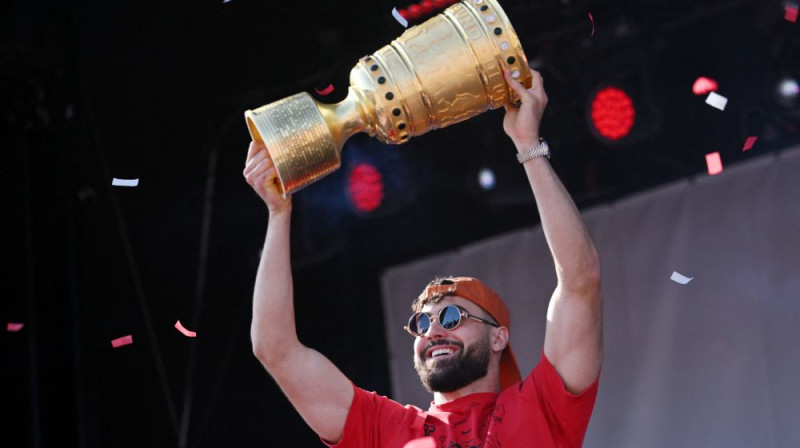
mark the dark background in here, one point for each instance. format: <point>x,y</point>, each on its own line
<point>93,90</point>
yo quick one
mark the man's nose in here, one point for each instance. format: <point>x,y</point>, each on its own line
<point>435,330</point>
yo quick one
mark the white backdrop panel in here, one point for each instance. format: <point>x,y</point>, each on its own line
<point>714,363</point>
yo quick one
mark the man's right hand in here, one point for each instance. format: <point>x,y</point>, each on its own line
<point>261,174</point>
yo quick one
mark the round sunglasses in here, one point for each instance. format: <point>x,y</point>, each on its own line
<point>449,317</point>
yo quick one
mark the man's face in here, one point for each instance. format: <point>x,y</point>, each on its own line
<point>450,360</point>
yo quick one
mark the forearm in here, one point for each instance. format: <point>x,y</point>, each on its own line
<point>574,254</point>
<point>273,329</point>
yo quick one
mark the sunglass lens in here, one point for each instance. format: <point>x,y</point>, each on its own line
<point>420,323</point>
<point>449,317</point>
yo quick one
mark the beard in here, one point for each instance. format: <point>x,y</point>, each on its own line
<point>452,374</point>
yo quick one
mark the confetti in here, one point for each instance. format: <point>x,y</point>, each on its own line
<point>680,278</point>
<point>183,330</point>
<point>592,20</point>
<point>399,17</point>
<point>714,163</point>
<point>325,91</point>
<point>791,13</point>
<point>703,85</point>
<point>715,100</point>
<point>13,327</point>
<point>119,342</point>
<point>125,182</point>
<point>748,144</point>
<point>424,442</point>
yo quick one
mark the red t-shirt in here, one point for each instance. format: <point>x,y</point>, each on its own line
<point>537,412</point>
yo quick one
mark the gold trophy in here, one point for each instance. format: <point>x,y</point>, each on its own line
<point>446,70</point>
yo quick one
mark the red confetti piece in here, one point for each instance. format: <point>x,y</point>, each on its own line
<point>714,163</point>
<point>325,91</point>
<point>13,327</point>
<point>749,143</point>
<point>791,13</point>
<point>704,85</point>
<point>592,19</point>
<point>119,342</point>
<point>183,330</point>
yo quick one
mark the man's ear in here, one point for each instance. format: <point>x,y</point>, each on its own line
<point>500,339</point>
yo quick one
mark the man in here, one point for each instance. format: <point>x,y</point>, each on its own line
<point>461,332</point>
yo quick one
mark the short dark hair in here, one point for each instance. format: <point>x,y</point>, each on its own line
<point>420,302</point>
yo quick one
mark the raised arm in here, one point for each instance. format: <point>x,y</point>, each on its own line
<point>315,386</point>
<point>573,338</point>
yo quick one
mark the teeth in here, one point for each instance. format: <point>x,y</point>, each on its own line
<point>441,351</point>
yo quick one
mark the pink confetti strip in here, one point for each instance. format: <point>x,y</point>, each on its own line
<point>325,91</point>
<point>748,144</point>
<point>791,13</point>
<point>14,327</point>
<point>714,163</point>
<point>119,342</point>
<point>592,20</point>
<point>183,330</point>
<point>704,85</point>
<point>399,17</point>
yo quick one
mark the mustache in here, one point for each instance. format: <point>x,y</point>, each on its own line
<point>440,342</point>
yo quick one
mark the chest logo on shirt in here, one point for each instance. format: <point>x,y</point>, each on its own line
<point>429,429</point>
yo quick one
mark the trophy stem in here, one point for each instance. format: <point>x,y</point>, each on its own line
<point>346,118</point>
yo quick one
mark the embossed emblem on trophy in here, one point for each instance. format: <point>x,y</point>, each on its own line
<point>443,71</point>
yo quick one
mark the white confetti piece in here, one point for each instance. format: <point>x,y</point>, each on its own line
<point>679,278</point>
<point>125,182</point>
<point>400,19</point>
<point>716,100</point>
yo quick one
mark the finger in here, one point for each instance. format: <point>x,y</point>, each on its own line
<point>255,160</point>
<point>253,148</point>
<point>262,166</point>
<point>267,179</point>
<point>537,82</point>
<point>260,178</point>
<point>513,82</point>
<point>519,89</point>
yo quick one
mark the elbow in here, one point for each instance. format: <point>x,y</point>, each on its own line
<point>585,278</point>
<point>266,350</point>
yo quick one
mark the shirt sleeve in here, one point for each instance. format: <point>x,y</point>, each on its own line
<point>567,413</point>
<point>374,420</point>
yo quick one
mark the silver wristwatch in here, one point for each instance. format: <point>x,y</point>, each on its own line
<point>537,151</point>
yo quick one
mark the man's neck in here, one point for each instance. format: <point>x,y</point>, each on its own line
<point>487,384</point>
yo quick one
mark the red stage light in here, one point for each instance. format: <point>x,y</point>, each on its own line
<point>612,113</point>
<point>414,12</point>
<point>365,187</point>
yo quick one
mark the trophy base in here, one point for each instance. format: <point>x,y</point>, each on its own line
<point>298,139</point>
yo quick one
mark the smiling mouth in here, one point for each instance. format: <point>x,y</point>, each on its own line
<point>440,353</point>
